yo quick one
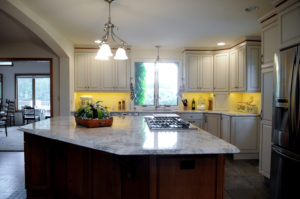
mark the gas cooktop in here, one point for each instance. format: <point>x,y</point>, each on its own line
<point>168,123</point>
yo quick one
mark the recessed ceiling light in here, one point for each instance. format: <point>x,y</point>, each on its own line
<point>251,9</point>
<point>221,44</point>
<point>97,41</point>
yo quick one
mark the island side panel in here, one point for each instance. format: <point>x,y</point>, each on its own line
<point>188,177</point>
<point>71,171</point>
<point>37,166</point>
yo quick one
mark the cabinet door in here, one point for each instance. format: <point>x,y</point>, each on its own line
<point>267,94</point>
<point>225,127</point>
<point>221,72</point>
<point>270,42</point>
<point>94,73</point>
<point>245,133</point>
<point>265,148</point>
<point>233,70</point>
<point>206,77</point>
<point>241,68</point>
<point>289,24</point>
<point>81,71</point>
<point>122,75</point>
<point>191,65</point>
<point>253,68</point>
<point>212,124</point>
<point>108,75</point>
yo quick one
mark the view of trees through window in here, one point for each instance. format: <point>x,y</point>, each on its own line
<point>33,91</point>
<point>163,83</point>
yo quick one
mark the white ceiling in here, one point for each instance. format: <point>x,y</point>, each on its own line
<point>145,23</point>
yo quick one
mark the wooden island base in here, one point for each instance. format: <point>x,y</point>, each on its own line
<point>55,169</point>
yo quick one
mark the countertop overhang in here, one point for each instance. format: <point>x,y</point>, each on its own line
<point>130,135</point>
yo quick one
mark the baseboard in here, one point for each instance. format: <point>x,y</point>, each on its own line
<point>245,156</point>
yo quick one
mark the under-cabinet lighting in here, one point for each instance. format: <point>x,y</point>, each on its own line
<point>6,63</point>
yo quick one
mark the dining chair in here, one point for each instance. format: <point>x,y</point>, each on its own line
<point>29,115</point>
<point>11,113</point>
<point>3,123</point>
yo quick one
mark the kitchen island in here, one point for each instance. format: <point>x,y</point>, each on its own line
<point>127,160</point>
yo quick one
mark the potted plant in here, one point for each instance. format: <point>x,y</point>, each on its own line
<point>93,115</point>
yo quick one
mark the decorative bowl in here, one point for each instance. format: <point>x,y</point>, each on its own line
<point>92,123</point>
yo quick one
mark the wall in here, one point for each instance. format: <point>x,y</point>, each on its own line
<point>233,99</point>
<point>49,38</point>
<point>110,100</point>
<point>35,50</point>
<point>20,67</point>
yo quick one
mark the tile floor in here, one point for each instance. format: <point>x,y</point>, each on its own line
<point>242,178</point>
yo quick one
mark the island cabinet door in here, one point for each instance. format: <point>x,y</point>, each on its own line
<point>37,166</point>
<point>196,177</point>
<point>78,168</point>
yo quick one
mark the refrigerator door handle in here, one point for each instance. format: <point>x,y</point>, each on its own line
<point>291,101</point>
<point>284,153</point>
<point>296,97</point>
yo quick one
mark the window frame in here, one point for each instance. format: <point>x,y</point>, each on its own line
<point>156,86</point>
<point>33,76</point>
<point>1,82</point>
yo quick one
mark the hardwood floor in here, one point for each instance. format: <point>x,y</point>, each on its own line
<point>242,179</point>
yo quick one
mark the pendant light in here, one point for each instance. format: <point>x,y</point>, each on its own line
<point>104,51</point>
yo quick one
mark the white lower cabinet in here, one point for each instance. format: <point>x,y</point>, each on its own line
<point>212,124</point>
<point>244,135</point>
<point>196,119</point>
<point>265,148</point>
<point>225,127</point>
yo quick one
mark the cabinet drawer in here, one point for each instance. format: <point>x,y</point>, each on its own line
<point>192,116</point>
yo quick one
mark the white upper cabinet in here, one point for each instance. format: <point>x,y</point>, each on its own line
<point>81,72</point>
<point>206,77</point>
<point>108,75</point>
<point>233,70</point>
<point>87,72</point>
<point>253,66</point>
<point>221,63</point>
<point>116,75</point>
<point>244,69</point>
<point>94,72</point>
<point>270,42</point>
<point>199,72</point>
<point>289,26</point>
<point>122,75</point>
<point>97,75</point>
<point>192,65</point>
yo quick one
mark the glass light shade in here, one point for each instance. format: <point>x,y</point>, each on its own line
<point>104,52</point>
<point>100,56</point>
<point>121,54</point>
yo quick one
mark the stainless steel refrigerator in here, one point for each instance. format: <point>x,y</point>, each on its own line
<point>285,160</point>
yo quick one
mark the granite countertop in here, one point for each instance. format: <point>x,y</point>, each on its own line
<point>130,135</point>
<point>230,113</point>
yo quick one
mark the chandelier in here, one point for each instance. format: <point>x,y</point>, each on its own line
<point>104,51</point>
